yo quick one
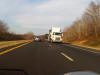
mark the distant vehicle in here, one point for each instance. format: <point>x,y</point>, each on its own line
<point>41,38</point>
<point>55,34</point>
<point>37,38</point>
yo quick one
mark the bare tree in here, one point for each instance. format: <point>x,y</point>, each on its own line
<point>88,25</point>
<point>93,11</point>
<point>3,27</point>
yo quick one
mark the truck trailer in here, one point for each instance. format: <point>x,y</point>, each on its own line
<point>55,34</point>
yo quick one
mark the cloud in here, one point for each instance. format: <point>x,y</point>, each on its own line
<point>44,14</point>
<point>35,26</point>
<point>51,12</point>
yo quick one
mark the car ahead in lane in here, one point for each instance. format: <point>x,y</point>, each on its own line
<point>39,39</point>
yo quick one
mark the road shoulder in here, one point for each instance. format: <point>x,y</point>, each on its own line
<point>84,48</point>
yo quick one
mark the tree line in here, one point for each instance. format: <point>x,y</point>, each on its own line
<point>5,35</point>
<point>86,27</point>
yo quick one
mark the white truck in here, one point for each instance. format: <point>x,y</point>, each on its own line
<point>55,34</point>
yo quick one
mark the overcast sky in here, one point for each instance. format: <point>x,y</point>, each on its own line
<point>38,15</point>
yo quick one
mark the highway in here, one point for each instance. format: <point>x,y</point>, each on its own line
<point>44,58</point>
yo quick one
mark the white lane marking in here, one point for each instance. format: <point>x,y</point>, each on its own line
<point>69,58</point>
<point>83,49</point>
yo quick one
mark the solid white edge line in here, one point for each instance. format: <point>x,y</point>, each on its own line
<point>84,49</point>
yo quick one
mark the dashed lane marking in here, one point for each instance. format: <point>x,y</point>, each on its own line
<point>66,56</point>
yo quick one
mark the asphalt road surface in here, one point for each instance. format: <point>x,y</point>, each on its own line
<point>43,58</point>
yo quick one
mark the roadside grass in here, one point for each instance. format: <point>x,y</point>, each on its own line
<point>92,44</point>
<point>4,44</point>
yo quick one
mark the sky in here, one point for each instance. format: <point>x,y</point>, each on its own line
<point>38,16</point>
